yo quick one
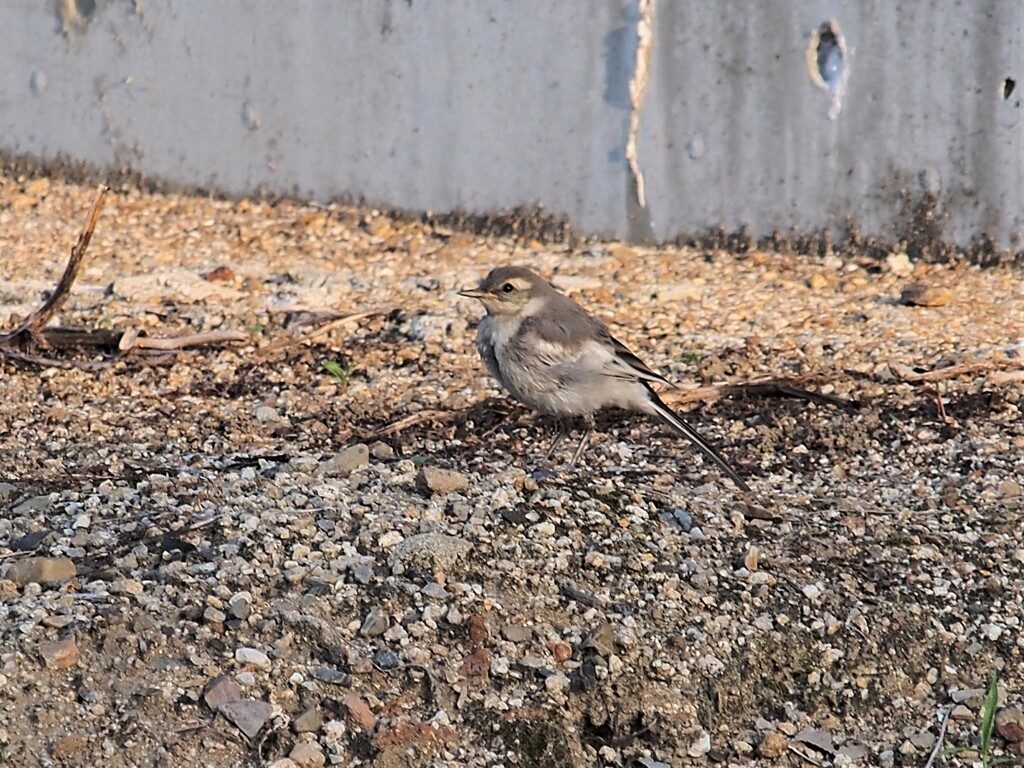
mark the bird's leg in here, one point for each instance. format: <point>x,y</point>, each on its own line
<point>588,430</point>
<point>559,436</point>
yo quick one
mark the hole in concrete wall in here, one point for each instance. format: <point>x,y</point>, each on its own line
<point>1009,84</point>
<point>826,56</point>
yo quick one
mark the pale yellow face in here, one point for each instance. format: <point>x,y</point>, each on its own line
<point>503,294</point>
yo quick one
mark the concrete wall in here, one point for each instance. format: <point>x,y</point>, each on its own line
<point>632,118</point>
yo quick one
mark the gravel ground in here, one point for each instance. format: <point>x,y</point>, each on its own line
<point>230,556</point>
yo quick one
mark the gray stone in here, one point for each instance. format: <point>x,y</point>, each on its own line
<point>35,504</point>
<point>441,481</point>
<point>41,570</point>
<point>516,634</point>
<point>220,691</point>
<point>247,715</point>
<point>436,551</point>
<point>308,721</point>
<point>253,656</point>
<point>264,414</point>
<point>7,490</point>
<point>346,460</point>
<point>375,624</point>
<point>307,754</point>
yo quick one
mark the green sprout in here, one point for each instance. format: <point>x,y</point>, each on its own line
<point>341,373</point>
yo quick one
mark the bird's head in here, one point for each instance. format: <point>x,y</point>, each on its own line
<point>510,291</point>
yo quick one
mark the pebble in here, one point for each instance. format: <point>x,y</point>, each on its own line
<point>330,675</point>
<point>359,711</point>
<point>1008,489</point>
<point>41,570</point>
<point>435,551</point>
<point>441,481</point>
<point>264,414</point>
<point>34,504</point>
<point>773,745</point>
<point>556,683</point>
<point>385,659</point>
<point>347,460</point>
<point>309,721</point>
<point>375,624</point>
<point>515,633</point>
<point>240,605</point>
<point>382,451</point>
<point>248,715</point>
<point>918,295</point>
<point>1010,724</point>
<point>60,654</point>
<point>960,712</point>
<point>7,490</point>
<point>253,656</point>
<point>700,745</point>
<point>307,754</point>
<point>220,691</point>
<point>899,264</point>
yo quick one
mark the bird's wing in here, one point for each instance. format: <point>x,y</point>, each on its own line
<point>632,365</point>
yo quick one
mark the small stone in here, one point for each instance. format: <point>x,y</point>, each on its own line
<point>1008,489</point>
<point>434,551</point>
<point>516,634</point>
<point>359,711</point>
<point>753,558</point>
<point>41,570</point>
<point>240,605</point>
<point>330,675</point>
<point>247,715</point>
<point>264,414</point>
<point>560,651</point>
<point>556,683</point>
<point>375,624</point>
<point>385,659</point>
<point>381,451</point>
<point>700,745</point>
<point>213,615</point>
<point>960,712</point>
<point>817,281</point>
<point>246,678</point>
<point>773,745</point>
<point>82,521</point>
<point>307,754</point>
<point>918,295</point>
<point>441,481</point>
<point>253,656</point>
<point>126,587</point>
<point>68,746</point>
<point>1010,724</point>
<point>284,762</point>
<point>7,490</point>
<point>309,721</point>
<point>60,654</point>
<point>34,504</point>
<point>601,639</point>
<point>899,264</point>
<point>220,691</point>
<point>345,461</point>
<point>435,590</point>
<point>811,591</point>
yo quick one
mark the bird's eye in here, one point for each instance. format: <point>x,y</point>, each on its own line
<point>508,288</point>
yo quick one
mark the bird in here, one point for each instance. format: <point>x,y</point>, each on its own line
<point>556,358</point>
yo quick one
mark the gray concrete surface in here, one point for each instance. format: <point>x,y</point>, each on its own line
<point>717,117</point>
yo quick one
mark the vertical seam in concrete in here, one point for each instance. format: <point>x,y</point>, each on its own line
<point>637,85</point>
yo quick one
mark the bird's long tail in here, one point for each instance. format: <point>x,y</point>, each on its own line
<point>668,416</point>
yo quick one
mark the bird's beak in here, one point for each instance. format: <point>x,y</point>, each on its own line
<point>474,293</point>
